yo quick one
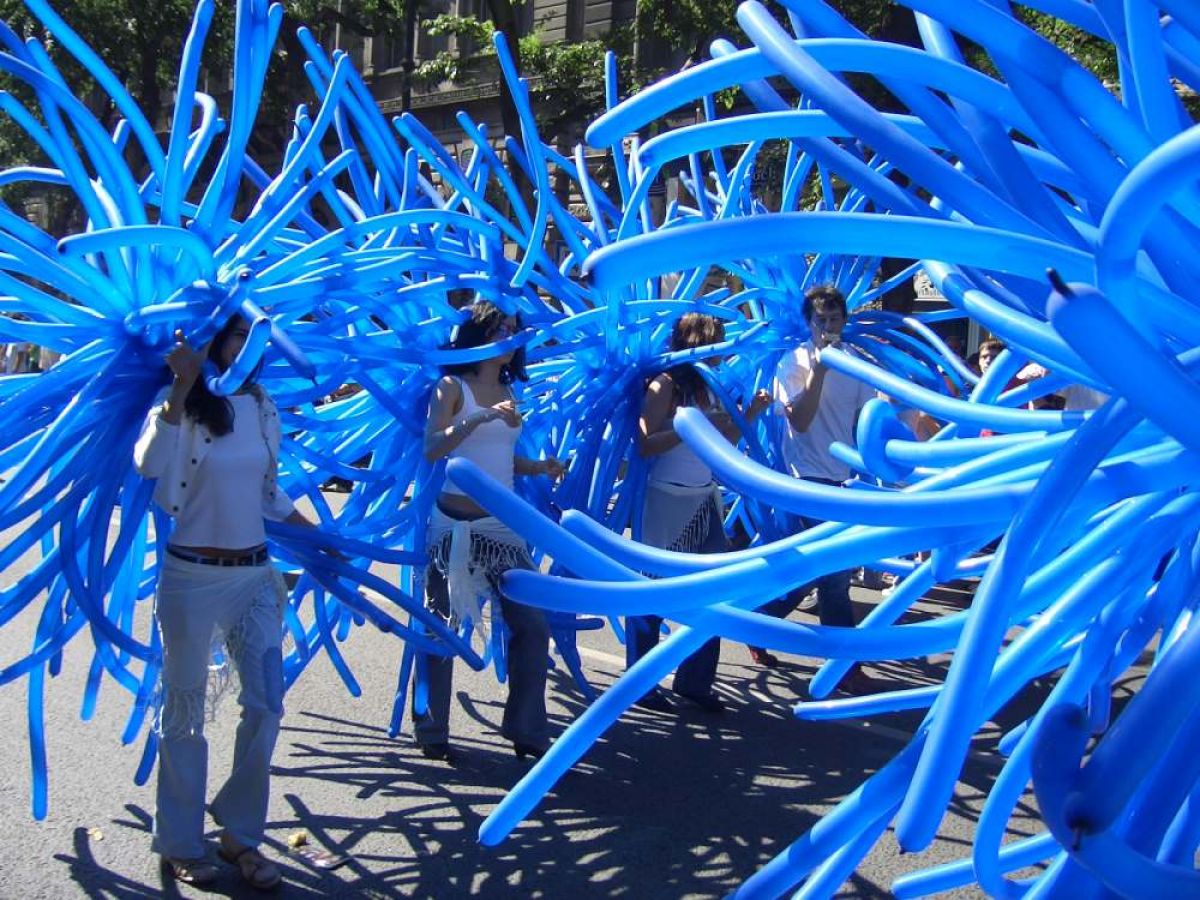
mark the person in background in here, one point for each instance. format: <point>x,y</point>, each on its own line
<point>820,406</point>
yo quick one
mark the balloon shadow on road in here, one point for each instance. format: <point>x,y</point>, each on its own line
<point>664,805</point>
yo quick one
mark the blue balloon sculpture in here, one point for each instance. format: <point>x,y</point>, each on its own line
<point>344,265</point>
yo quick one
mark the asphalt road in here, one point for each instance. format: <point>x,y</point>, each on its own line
<point>681,805</point>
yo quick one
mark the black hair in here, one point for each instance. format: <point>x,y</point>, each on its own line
<point>202,405</point>
<point>484,320</point>
<point>822,296</point>
<point>692,330</point>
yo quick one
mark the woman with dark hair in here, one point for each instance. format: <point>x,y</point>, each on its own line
<point>474,415</point>
<point>682,509</point>
<point>215,459</point>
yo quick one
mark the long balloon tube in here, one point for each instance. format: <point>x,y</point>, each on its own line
<point>134,235</point>
<point>942,756</point>
<point>361,297</point>
<point>1180,840</point>
<point>173,163</point>
<point>1105,854</point>
<point>806,74</point>
<point>75,45</point>
<point>867,706</point>
<point>331,649</point>
<point>1105,785</point>
<point>598,717</point>
<point>50,443</point>
<point>478,136</point>
<point>276,194</point>
<point>403,678</point>
<point>905,594</point>
<point>276,219</point>
<point>786,568</point>
<point>1174,396</point>
<point>103,630</point>
<point>37,740</point>
<point>1022,329</point>
<point>231,379</point>
<point>944,407</point>
<point>1018,854</point>
<point>72,166</point>
<point>671,250</point>
<point>643,558</point>
<point>1152,811</point>
<point>906,507</point>
<point>114,181</point>
<point>826,878</point>
<point>383,621</point>
<point>821,641</point>
<point>144,699</point>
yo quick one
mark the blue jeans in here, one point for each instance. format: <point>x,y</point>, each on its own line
<point>696,674</point>
<point>528,650</point>
<point>193,601</point>
<point>834,606</point>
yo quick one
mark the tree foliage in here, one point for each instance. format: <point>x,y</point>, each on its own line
<point>140,40</point>
<point>566,79</point>
<point>1093,53</point>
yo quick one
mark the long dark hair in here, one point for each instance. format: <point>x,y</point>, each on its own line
<point>202,405</point>
<point>692,330</point>
<point>480,328</point>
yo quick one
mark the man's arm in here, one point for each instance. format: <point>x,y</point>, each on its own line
<point>804,385</point>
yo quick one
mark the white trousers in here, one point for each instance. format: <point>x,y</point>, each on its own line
<point>193,603</point>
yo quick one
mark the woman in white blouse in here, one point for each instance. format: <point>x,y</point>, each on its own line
<point>215,460</point>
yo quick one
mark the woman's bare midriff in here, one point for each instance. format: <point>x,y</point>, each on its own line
<point>218,552</point>
<point>460,503</point>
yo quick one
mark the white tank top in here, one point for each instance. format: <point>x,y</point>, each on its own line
<point>492,446</point>
<point>225,506</point>
<point>681,465</point>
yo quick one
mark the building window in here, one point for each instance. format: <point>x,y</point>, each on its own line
<point>430,45</point>
<point>474,9</point>
<point>576,19</point>
<point>387,51</point>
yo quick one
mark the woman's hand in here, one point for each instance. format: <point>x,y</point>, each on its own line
<point>184,362</point>
<point>720,419</point>
<point>186,365</point>
<point>758,405</point>
<point>552,467</point>
<point>295,517</point>
<point>723,422</point>
<point>524,465</point>
<point>507,411</point>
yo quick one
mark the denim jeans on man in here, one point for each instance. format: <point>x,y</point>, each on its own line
<point>834,606</point>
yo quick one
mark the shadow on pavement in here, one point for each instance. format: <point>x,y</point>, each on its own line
<point>674,805</point>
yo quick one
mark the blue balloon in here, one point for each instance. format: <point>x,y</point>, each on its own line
<point>345,262</point>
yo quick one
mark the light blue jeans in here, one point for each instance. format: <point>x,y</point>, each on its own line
<point>194,601</point>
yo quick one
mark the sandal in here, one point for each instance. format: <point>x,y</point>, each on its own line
<point>192,871</point>
<point>257,871</point>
